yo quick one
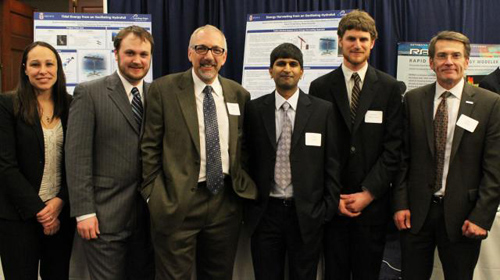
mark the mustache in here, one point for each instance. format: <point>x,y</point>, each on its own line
<point>208,62</point>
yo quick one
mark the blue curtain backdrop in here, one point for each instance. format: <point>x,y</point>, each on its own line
<point>397,21</point>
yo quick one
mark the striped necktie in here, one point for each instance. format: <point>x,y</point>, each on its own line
<point>137,108</point>
<point>356,90</point>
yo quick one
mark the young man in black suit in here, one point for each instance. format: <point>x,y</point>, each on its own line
<point>367,116</point>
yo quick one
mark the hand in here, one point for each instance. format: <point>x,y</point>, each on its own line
<point>50,212</point>
<point>344,212</point>
<point>53,228</point>
<point>88,228</point>
<point>402,219</point>
<point>471,230</point>
<point>356,202</point>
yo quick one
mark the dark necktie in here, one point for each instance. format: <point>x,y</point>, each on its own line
<point>137,106</point>
<point>214,175</point>
<point>282,171</point>
<point>356,90</point>
<point>440,133</point>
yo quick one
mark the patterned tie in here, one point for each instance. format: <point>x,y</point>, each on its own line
<point>440,132</point>
<point>356,90</point>
<point>282,171</point>
<point>137,106</point>
<point>215,177</point>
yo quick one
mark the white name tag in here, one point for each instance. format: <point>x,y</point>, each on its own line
<point>374,116</point>
<point>467,123</point>
<point>313,139</point>
<point>233,109</point>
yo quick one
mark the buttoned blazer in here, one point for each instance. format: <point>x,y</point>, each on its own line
<point>102,153</point>
<point>314,166</point>
<point>492,81</point>
<point>369,152</point>
<point>22,161</point>
<point>472,185</point>
<point>171,148</point>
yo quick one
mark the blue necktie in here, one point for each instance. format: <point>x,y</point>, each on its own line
<point>137,106</point>
<point>215,177</point>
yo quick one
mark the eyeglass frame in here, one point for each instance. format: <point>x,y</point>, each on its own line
<point>202,52</point>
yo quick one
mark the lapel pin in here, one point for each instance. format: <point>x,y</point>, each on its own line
<point>469,102</point>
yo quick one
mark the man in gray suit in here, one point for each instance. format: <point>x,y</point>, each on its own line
<point>449,192</point>
<point>104,167</point>
<point>191,152</point>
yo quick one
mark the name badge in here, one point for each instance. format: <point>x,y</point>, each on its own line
<point>374,116</point>
<point>467,123</point>
<point>313,139</point>
<point>233,109</point>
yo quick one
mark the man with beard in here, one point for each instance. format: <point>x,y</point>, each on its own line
<point>367,116</point>
<point>104,166</point>
<point>193,178</point>
<point>293,160</point>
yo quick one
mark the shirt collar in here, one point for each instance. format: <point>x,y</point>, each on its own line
<point>455,91</point>
<point>128,86</point>
<point>199,85</point>
<point>348,72</point>
<point>293,100</point>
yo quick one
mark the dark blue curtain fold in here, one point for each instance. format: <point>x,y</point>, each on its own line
<point>397,21</point>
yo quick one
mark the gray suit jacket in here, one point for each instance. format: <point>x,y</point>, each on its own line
<point>171,148</point>
<point>473,182</point>
<point>102,154</point>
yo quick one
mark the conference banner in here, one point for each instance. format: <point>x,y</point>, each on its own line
<point>85,41</point>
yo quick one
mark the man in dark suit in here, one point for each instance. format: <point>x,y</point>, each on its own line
<point>449,189</point>
<point>292,159</point>
<point>492,81</point>
<point>367,115</point>
<point>191,151</point>
<point>104,166</point>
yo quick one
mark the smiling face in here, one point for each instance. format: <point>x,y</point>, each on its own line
<point>41,69</point>
<point>449,62</point>
<point>356,46</point>
<point>207,66</point>
<point>286,73</point>
<point>133,58</point>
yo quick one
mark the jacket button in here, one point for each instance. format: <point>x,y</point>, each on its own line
<point>353,150</point>
<point>193,189</point>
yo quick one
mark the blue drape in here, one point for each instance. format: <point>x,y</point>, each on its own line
<point>397,21</point>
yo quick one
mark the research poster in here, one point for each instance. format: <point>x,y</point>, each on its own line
<point>85,41</point>
<point>414,69</point>
<point>315,33</point>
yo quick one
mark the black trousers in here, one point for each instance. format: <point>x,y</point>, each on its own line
<point>278,236</point>
<point>23,245</point>
<point>352,250</point>
<point>458,258</point>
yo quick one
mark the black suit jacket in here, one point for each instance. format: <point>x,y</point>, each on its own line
<point>473,181</point>
<point>492,81</point>
<point>369,152</point>
<point>314,169</point>
<point>22,160</point>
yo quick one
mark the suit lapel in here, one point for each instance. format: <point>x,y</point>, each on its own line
<point>37,128</point>
<point>230,97</point>
<point>268,113</point>
<point>428,111</point>
<point>464,109</point>
<point>301,117</point>
<point>340,97</point>
<point>187,102</point>
<point>366,97</point>
<point>117,93</point>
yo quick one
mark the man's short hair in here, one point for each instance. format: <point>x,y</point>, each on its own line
<point>207,27</point>
<point>357,20</point>
<point>287,50</point>
<point>451,36</point>
<point>138,31</point>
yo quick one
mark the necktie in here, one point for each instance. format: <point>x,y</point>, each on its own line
<point>137,106</point>
<point>215,177</point>
<point>282,171</point>
<point>356,90</point>
<point>440,132</point>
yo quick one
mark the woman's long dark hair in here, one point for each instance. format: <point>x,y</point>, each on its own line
<point>25,101</point>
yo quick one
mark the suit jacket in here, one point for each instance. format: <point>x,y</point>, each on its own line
<point>472,184</point>
<point>369,152</point>
<point>171,148</point>
<point>315,170</point>
<point>492,81</point>
<point>102,153</point>
<point>22,161</point>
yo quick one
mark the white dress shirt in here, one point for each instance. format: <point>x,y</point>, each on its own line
<point>349,82</point>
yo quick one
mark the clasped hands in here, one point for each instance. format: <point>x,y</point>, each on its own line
<point>351,205</point>
<point>48,217</point>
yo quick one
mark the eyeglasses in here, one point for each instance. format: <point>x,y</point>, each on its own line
<point>202,49</point>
